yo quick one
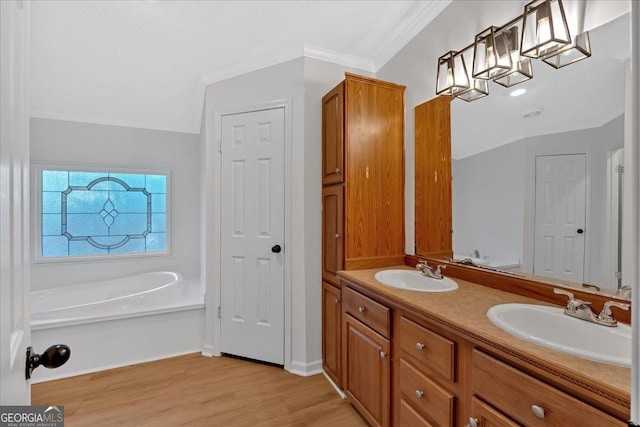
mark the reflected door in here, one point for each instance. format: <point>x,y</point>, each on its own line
<point>252,229</point>
<point>560,213</point>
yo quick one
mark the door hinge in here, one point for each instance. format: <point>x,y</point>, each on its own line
<point>618,274</point>
<point>219,312</point>
<point>620,168</point>
<point>220,147</point>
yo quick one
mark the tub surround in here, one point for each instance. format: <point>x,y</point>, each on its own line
<point>460,315</point>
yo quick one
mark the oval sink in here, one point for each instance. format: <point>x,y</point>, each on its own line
<point>414,281</point>
<point>551,328</point>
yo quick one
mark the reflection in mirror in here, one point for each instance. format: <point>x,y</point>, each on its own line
<point>537,185</point>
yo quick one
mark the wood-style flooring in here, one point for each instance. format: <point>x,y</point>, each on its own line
<point>198,391</point>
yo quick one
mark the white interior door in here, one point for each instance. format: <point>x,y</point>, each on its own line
<point>560,216</point>
<point>252,268</point>
<point>15,329</point>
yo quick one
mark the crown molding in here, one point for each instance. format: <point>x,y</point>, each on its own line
<point>417,24</point>
<point>339,58</point>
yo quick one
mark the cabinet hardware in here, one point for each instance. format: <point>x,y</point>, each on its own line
<point>337,171</point>
<point>419,394</point>
<point>337,300</point>
<point>538,411</point>
<point>362,309</point>
<point>337,236</point>
<point>382,354</point>
<point>472,422</point>
<point>419,346</point>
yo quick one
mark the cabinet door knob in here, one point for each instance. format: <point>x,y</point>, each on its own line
<point>419,346</point>
<point>382,354</point>
<point>362,309</point>
<point>337,170</point>
<point>472,422</point>
<point>538,411</point>
<point>337,236</point>
<point>419,394</point>
<point>337,300</point>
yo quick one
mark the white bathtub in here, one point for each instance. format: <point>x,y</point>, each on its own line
<point>118,322</point>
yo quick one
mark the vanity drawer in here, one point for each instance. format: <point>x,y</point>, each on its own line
<point>434,351</point>
<point>425,395</point>
<point>368,311</point>
<point>516,393</point>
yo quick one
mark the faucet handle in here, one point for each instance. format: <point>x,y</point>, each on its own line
<point>573,302</point>
<point>606,316</point>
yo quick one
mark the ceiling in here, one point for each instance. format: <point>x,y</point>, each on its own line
<point>145,63</point>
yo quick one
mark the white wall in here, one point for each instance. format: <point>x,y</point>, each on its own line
<point>102,145</point>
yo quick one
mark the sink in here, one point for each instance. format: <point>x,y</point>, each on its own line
<point>414,281</point>
<point>551,328</point>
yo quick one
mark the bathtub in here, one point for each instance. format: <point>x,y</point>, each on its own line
<point>118,322</point>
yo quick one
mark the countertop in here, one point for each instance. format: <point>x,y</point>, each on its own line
<point>465,309</point>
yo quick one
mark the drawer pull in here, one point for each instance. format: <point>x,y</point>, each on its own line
<point>472,422</point>
<point>382,354</point>
<point>337,170</point>
<point>337,301</point>
<point>419,346</point>
<point>419,394</point>
<point>538,411</point>
<point>362,309</point>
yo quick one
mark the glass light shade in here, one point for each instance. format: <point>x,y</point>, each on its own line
<point>544,28</point>
<point>578,50</point>
<point>491,55</point>
<point>521,71</point>
<point>478,88</point>
<point>452,74</point>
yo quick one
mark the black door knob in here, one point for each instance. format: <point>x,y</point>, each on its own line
<point>580,231</point>
<point>53,357</point>
<point>276,249</point>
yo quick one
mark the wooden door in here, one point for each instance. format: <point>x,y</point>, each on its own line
<point>333,136</point>
<point>331,332</point>
<point>367,371</point>
<point>332,232</point>
<point>486,416</point>
<point>433,178</point>
<point>252,272</point>
<point>560,216</point>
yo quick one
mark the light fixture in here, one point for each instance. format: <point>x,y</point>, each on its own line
<point>518,92</point>
<point>544,28</point>
<point>578,50</point>
<point>478,88</point>
<point>452,74</point>
<point>498,53</point>
<point>491,55</point>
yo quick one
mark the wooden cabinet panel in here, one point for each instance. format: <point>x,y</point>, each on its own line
<point>374,198</point>
<point>429,398</point>
<point>436,353</point>
<point>332,232</point>
<point>409,417</point>
<point>333,136</point>
<point>371,313</point>
<point>515,393</point>
<point>367,371</point>
<point>331,332</point>
<point>433,211</point>
<point>486,416</point>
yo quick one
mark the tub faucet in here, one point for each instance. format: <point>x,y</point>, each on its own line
<point>430,271</point>
<point>476,253</point>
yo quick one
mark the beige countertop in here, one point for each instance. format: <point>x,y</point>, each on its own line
<point>465,310</point>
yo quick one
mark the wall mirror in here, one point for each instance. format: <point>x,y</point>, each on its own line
<point>537,182</point>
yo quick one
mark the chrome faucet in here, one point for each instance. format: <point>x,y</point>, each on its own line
<point>424,268</point>
<point>476,253</point>
<point>582,309</point>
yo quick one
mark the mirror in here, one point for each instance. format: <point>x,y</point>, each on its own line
<point>537,187</point>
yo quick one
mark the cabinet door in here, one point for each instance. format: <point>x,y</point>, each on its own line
<point>367,371</point>
<point>333,136</point>
<point>332,229</point>
<point>484,415</point>
<point>331,332</point>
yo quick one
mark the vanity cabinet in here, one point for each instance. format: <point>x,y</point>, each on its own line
<point>367,356</point>
<point>484,415</point>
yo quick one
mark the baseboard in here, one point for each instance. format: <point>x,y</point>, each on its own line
<point>340,392</point>
<point>306,369</point>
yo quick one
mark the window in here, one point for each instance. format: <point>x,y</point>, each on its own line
<point>100,213</point>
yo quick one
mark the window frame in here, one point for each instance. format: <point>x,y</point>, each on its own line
<point>36,211</point>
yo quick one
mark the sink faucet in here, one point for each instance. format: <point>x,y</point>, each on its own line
<point>430,271</point>
<point>476,253</point>
<point>582,309</point>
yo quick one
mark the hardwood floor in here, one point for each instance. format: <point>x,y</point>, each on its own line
<point>198,391</point>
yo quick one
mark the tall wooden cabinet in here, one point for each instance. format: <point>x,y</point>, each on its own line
<point>363,189</point>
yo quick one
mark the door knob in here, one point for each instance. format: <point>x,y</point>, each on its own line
<point>580,231</point>
<point>53,357</point>
<point>276,249</point>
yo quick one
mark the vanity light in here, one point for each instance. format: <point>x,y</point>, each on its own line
<point>578,50</point>
<point>518,92</point>
<point>452,74</point>
<point>478,88</point>
<point>521,69</point>
<point>491,56</point>
<point>544,28</point>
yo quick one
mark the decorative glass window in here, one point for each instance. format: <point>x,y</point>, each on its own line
<point>97,213</point>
